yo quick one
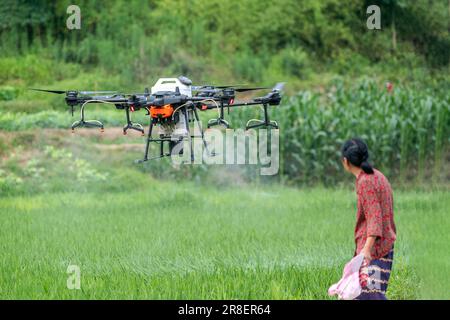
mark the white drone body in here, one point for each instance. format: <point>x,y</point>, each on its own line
<point>181,85</point>
<point>171,84</point>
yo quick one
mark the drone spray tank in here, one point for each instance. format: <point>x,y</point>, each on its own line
<point>171,84</point>
<point>180,86</point>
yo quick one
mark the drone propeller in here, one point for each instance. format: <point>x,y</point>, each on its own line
<point>279,86</point>
<point>219,89</point>
<point>51,91</point>
<point>80,92</point>
<point>273,97</point>
<point>95,92</point>
<point>229,86</point>
<point>211,86</point>
<point>250,89</point>
<point>134,94</point>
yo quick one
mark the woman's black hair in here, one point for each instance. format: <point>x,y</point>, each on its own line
<point>356,152</point>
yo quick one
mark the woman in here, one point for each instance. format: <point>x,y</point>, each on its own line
<point>375,231</point>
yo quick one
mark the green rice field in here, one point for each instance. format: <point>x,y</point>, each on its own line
<point>186,241</point>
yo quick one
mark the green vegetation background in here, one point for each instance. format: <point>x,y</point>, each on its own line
<point>336,70</point>
<point>213,40</point>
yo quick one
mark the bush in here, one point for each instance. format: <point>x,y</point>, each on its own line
<point>248,66</point>
<point>50,170</point>
<point>29,69</point>
<point>295,62</point>
<point>8,93</point>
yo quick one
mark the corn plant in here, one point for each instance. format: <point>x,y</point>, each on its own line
<point>407,130</point>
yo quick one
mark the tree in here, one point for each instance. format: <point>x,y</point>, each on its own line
<point>393,6</point>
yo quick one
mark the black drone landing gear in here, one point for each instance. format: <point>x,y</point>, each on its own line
<point>218,122</point>
<point>175,141</point>
<point>147,146</point>
<point>87,123</point>
<point>132,125</point>
<point>262,123</point>
<point>202,134</point>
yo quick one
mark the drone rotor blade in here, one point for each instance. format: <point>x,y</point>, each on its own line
<point>249,89</point>
<point>229,86</point>
<point>209,91</point>
<point>95,92</point>
<point>132,94</point>
<point>80,92</point>
<point>50,91</point>
<point>202,88</point>
<point>210,86</point>
<point>236,88</point>
<point>279,86</point>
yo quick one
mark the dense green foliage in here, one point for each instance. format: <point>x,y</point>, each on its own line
<point>250,40</point>
<point>408,130</point>
<point>129,44</point>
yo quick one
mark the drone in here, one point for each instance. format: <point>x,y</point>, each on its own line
<point>172,104</point>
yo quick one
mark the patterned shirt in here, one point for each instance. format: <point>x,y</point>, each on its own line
<point>375,215</point>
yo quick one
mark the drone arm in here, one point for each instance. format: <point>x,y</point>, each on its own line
<point>83,100</point>
<point>238,104</point>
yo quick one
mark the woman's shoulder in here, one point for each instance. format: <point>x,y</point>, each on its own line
<point>378,175</point>
<point>371,180</point>
<point>376,182</point>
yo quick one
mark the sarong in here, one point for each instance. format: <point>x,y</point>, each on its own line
<point>374,278</point>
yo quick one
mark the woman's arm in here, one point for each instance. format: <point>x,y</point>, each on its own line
<point>373,214</point>
<point>368,247</point>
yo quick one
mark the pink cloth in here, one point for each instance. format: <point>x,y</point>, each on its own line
<point>348,288</point>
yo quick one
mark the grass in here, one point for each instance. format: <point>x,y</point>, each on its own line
<point>183,240</point>
<point>78,200</point>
